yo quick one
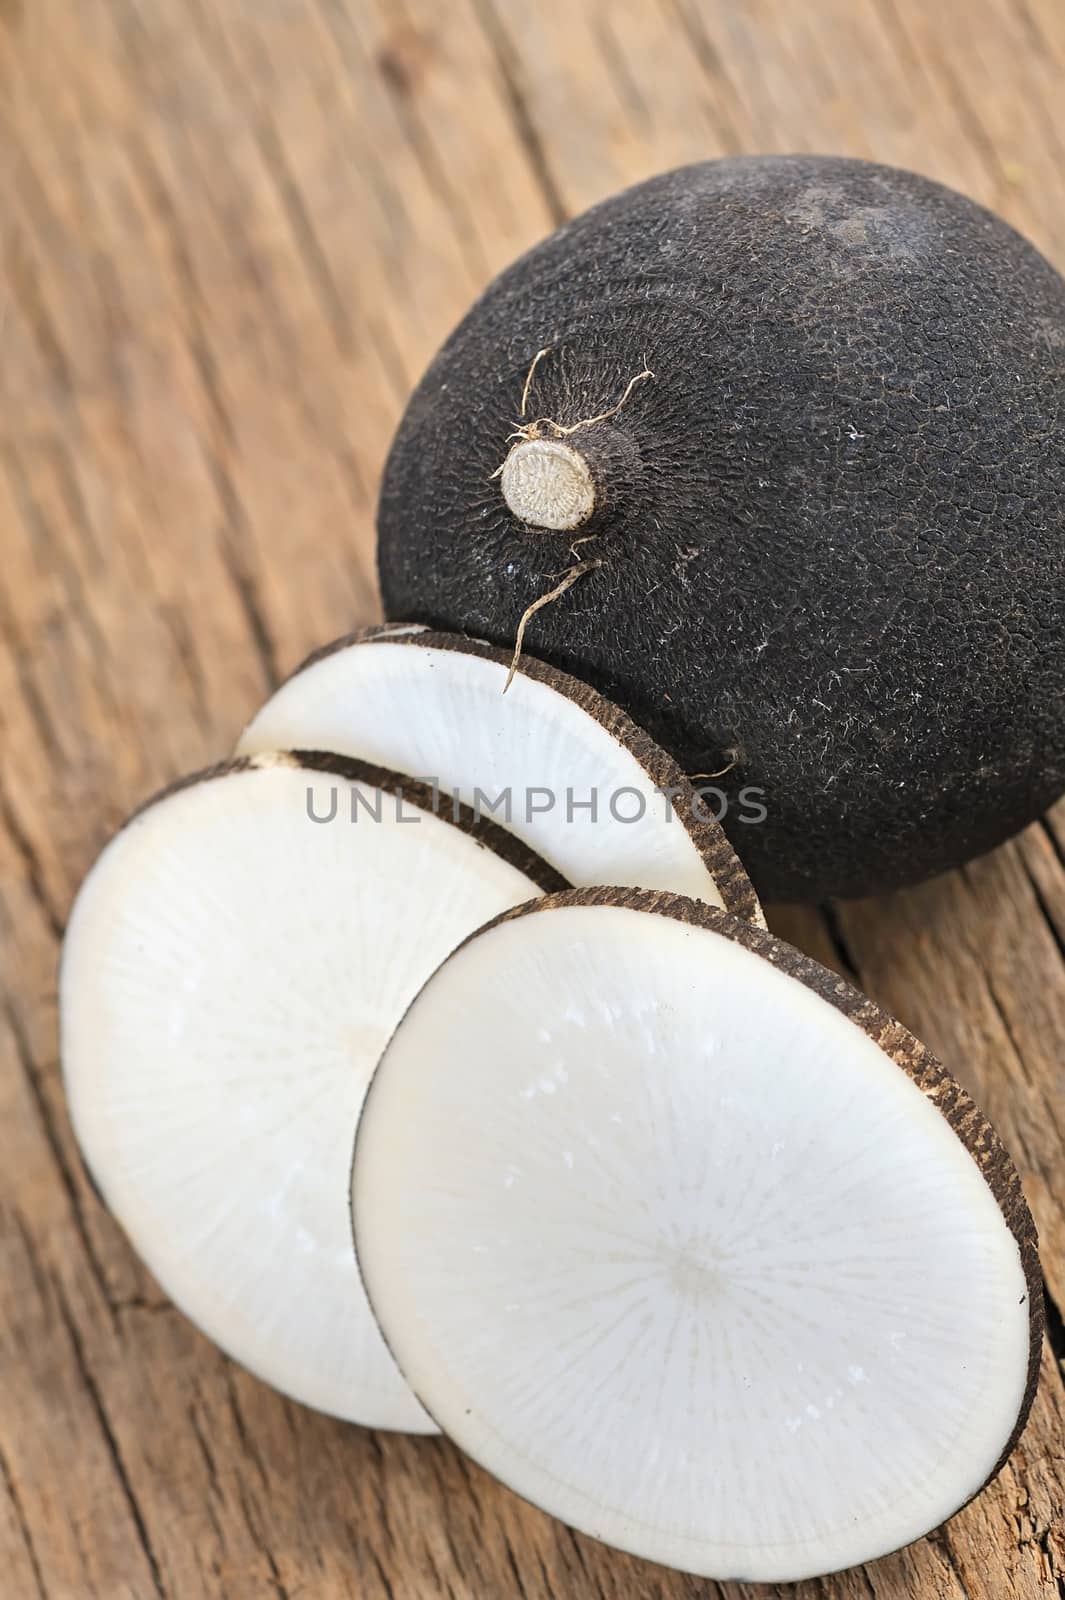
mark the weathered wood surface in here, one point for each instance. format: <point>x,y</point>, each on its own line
<point>232,233</point>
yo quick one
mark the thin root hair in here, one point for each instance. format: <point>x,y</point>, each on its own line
<point>567,582</point>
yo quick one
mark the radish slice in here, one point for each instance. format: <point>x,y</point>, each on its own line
<point>432,704</point>
<point>691,1245</point>
<point>230,975</point>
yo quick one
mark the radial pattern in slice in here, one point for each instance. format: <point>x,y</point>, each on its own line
<point>550,759</point>
<point>231,973</point>
<point>692,1246</point>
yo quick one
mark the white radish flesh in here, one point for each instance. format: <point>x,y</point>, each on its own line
<point>231,973</point>
<point>690,1245</point>
<point>432,705</point>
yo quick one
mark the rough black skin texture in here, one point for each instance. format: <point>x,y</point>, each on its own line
<point>833,531</point>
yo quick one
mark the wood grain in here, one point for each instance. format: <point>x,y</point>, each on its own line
<point>232,232</point>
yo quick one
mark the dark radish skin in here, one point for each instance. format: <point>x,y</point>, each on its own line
<point>807,416</point>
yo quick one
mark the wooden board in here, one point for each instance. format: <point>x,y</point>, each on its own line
<point>232,233</point>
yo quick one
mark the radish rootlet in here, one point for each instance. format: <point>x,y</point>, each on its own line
<point>800,423</point>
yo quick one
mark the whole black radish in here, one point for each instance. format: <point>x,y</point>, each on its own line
<point>787,437</point>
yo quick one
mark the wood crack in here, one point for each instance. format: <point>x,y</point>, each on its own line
<point>433,169</point>
<point>35,1084</point>
<point>140,1302</point>
<point>693,25</point>
<point>22,1520</point>
<point>390,360</point>
<point>247,1443</point>
<point>206,1452</point>
<point>1057,1577</point>
<point>1043,47</point>
<point>77,510</point>
<point>1006,1026</point>
<point>33,702</point>
<point>215,451</point>
<point>24,281</point>
<point>251,1522</point>
<point>177,625</point>
<point>578,1551</point>
<point>515,1570</point>
<point>841,946</point>
<point>1054,841</point>
<point>1019,1056</point>
<point>241,578</point>
<point>520,113</point>
<point>92,1389</point>
<point>48,546</point>
<point>940,1540</point>
<point>308,245</point>
<point>376,1485</point>
<point>386,1582</point>
<point>969,120</point>
<point>458,1558</point>
<point>1040,898</point>
<point>32,869</point>
<point>275,1571</point>
<point>1055,1328</point>
<point>37,1270</point>
<point>214,1490</point>
<point>620,73</point>
<point>298,219</point>
<point>443,1583</point>
<point>549,1588</point>
<point>870,1587</point>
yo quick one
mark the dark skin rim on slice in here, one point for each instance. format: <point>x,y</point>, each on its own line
<point>488,834</point>
<point>918,1062</point>
<point>711,844</point>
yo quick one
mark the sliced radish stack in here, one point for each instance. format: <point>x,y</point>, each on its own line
<point>230,975</point>
<point>690,1244</point>
<point>432,705</point>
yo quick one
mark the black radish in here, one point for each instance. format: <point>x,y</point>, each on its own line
<point>776,447</point>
